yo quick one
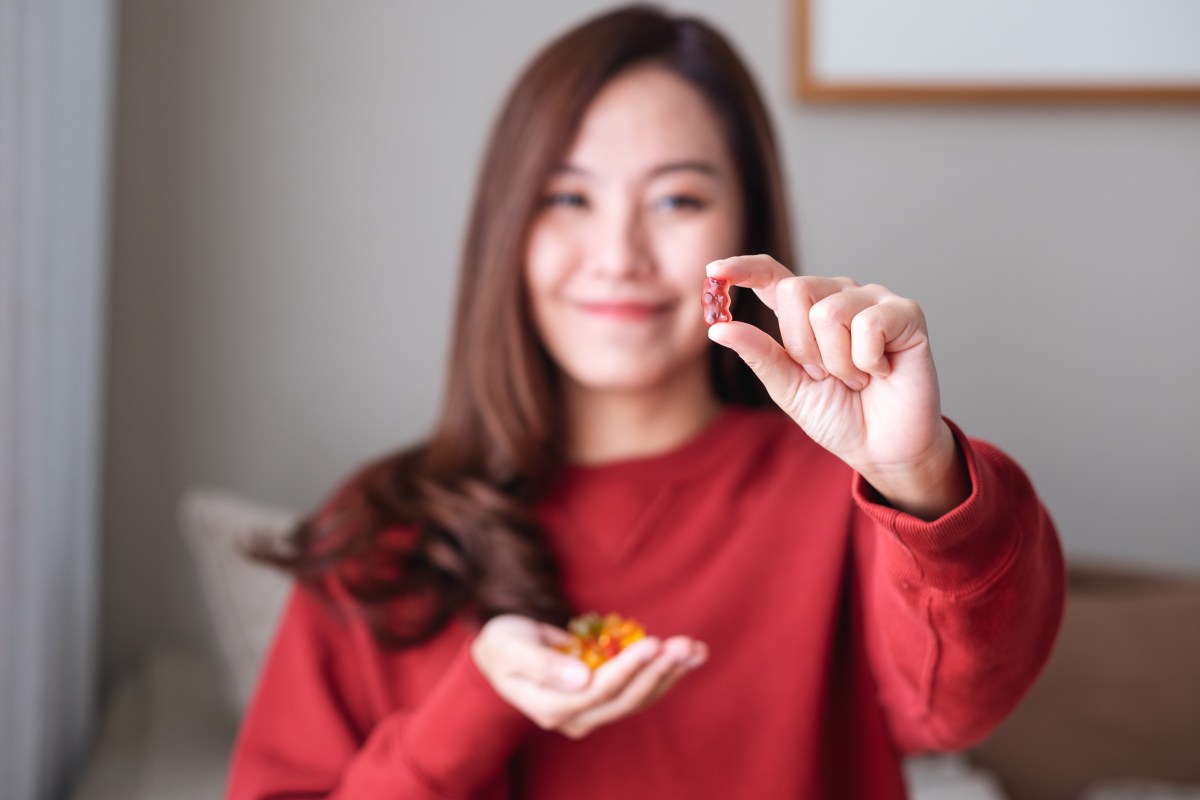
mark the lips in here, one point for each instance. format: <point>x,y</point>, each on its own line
<point>626,310</point>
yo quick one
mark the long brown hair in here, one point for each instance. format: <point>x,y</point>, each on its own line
<point>449,527</point>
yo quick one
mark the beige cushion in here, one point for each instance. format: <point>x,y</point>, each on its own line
<point>1120,697</point>
<point>244,599</point>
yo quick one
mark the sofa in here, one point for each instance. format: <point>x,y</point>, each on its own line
<point>1115,716</point>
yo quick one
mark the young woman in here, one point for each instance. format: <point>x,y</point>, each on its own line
<point>832,574</point>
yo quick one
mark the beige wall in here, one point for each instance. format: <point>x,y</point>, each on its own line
<point>291,183</point>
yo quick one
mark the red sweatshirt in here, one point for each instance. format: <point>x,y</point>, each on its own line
<point>842,634</point>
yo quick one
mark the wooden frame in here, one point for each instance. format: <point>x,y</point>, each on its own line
<point>813,86</point>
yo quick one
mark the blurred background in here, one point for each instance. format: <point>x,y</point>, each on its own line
<point>281,189</point>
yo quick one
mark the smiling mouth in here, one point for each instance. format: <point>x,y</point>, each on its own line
<point>626,311</point>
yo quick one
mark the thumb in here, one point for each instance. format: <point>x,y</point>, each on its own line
<point>551,669</point>
<point>770,362</point>
<point>512,646</point>
<point>565,673</point>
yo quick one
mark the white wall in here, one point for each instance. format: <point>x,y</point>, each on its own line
<point>293,177</point>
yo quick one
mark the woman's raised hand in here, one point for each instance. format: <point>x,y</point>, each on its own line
<point>517,655</point>
<point>856,373</point>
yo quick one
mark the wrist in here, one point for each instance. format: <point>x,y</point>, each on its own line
<point>929,487</point>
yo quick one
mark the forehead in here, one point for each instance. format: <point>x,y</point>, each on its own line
<point>644,117</point>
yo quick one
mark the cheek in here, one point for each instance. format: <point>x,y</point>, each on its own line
<point>729,234</point>
<point>549,256</point>
<point>685,253</point>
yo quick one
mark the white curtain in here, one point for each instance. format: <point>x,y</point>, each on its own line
<point>55,110</point>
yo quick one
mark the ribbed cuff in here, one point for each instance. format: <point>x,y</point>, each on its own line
<point>960,549</point>
<point>464,733</point>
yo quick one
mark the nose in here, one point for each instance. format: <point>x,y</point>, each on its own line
<point>622,247</point>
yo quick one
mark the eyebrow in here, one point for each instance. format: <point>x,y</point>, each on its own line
<point>703,167</point>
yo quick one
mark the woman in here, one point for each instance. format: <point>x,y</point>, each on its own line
<point>833,574</point>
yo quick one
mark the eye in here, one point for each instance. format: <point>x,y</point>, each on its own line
<point>679,202</point>
<point>565,200</point>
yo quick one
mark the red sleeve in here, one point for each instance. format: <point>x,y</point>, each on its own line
<point>961,612</point>
<point>308,734</point>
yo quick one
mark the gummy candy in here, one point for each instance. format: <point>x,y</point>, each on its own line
<point>595,639</point>
<point>716,301</point>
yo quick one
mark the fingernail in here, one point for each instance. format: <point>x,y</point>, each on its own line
<point>855,385</point>
<point>710,265</point>
<point>814,372</point>
<point>575,676</point>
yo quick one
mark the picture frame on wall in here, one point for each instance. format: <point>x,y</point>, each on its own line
<point>848,51</point>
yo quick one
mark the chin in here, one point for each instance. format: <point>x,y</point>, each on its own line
<point>626,377</point>
<point>618,383</point>
<point>605,369</point>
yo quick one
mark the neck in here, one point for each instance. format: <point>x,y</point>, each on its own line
<point>613,425</point>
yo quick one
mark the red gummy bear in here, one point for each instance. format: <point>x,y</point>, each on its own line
<point>716,301</point>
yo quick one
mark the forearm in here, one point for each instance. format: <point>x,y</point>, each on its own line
<point>962,612</point>
<point>454,745</point>
<point>311,731</point>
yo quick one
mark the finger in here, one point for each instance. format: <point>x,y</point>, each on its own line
<point>676,659</point>
<point>796,297</point>
<point>867,343</point>
<point>780,375</point>
<point>608,681</point>
<point>696,657</point>
<point>831,320</point>
<point>553,710</point>
<point>631,699</point>
<point>760,273</point>
<point>891,326</point>
<point>545,667</point>
<point>611,677</point>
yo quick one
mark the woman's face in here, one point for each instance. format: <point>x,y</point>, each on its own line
<point>646,196</point>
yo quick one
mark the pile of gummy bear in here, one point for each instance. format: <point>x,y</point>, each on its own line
<point>595,639</point>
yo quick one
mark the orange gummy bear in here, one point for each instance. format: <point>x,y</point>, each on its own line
<point>595,639</point>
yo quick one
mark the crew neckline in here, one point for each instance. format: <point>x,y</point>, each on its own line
<point>696,454</point>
